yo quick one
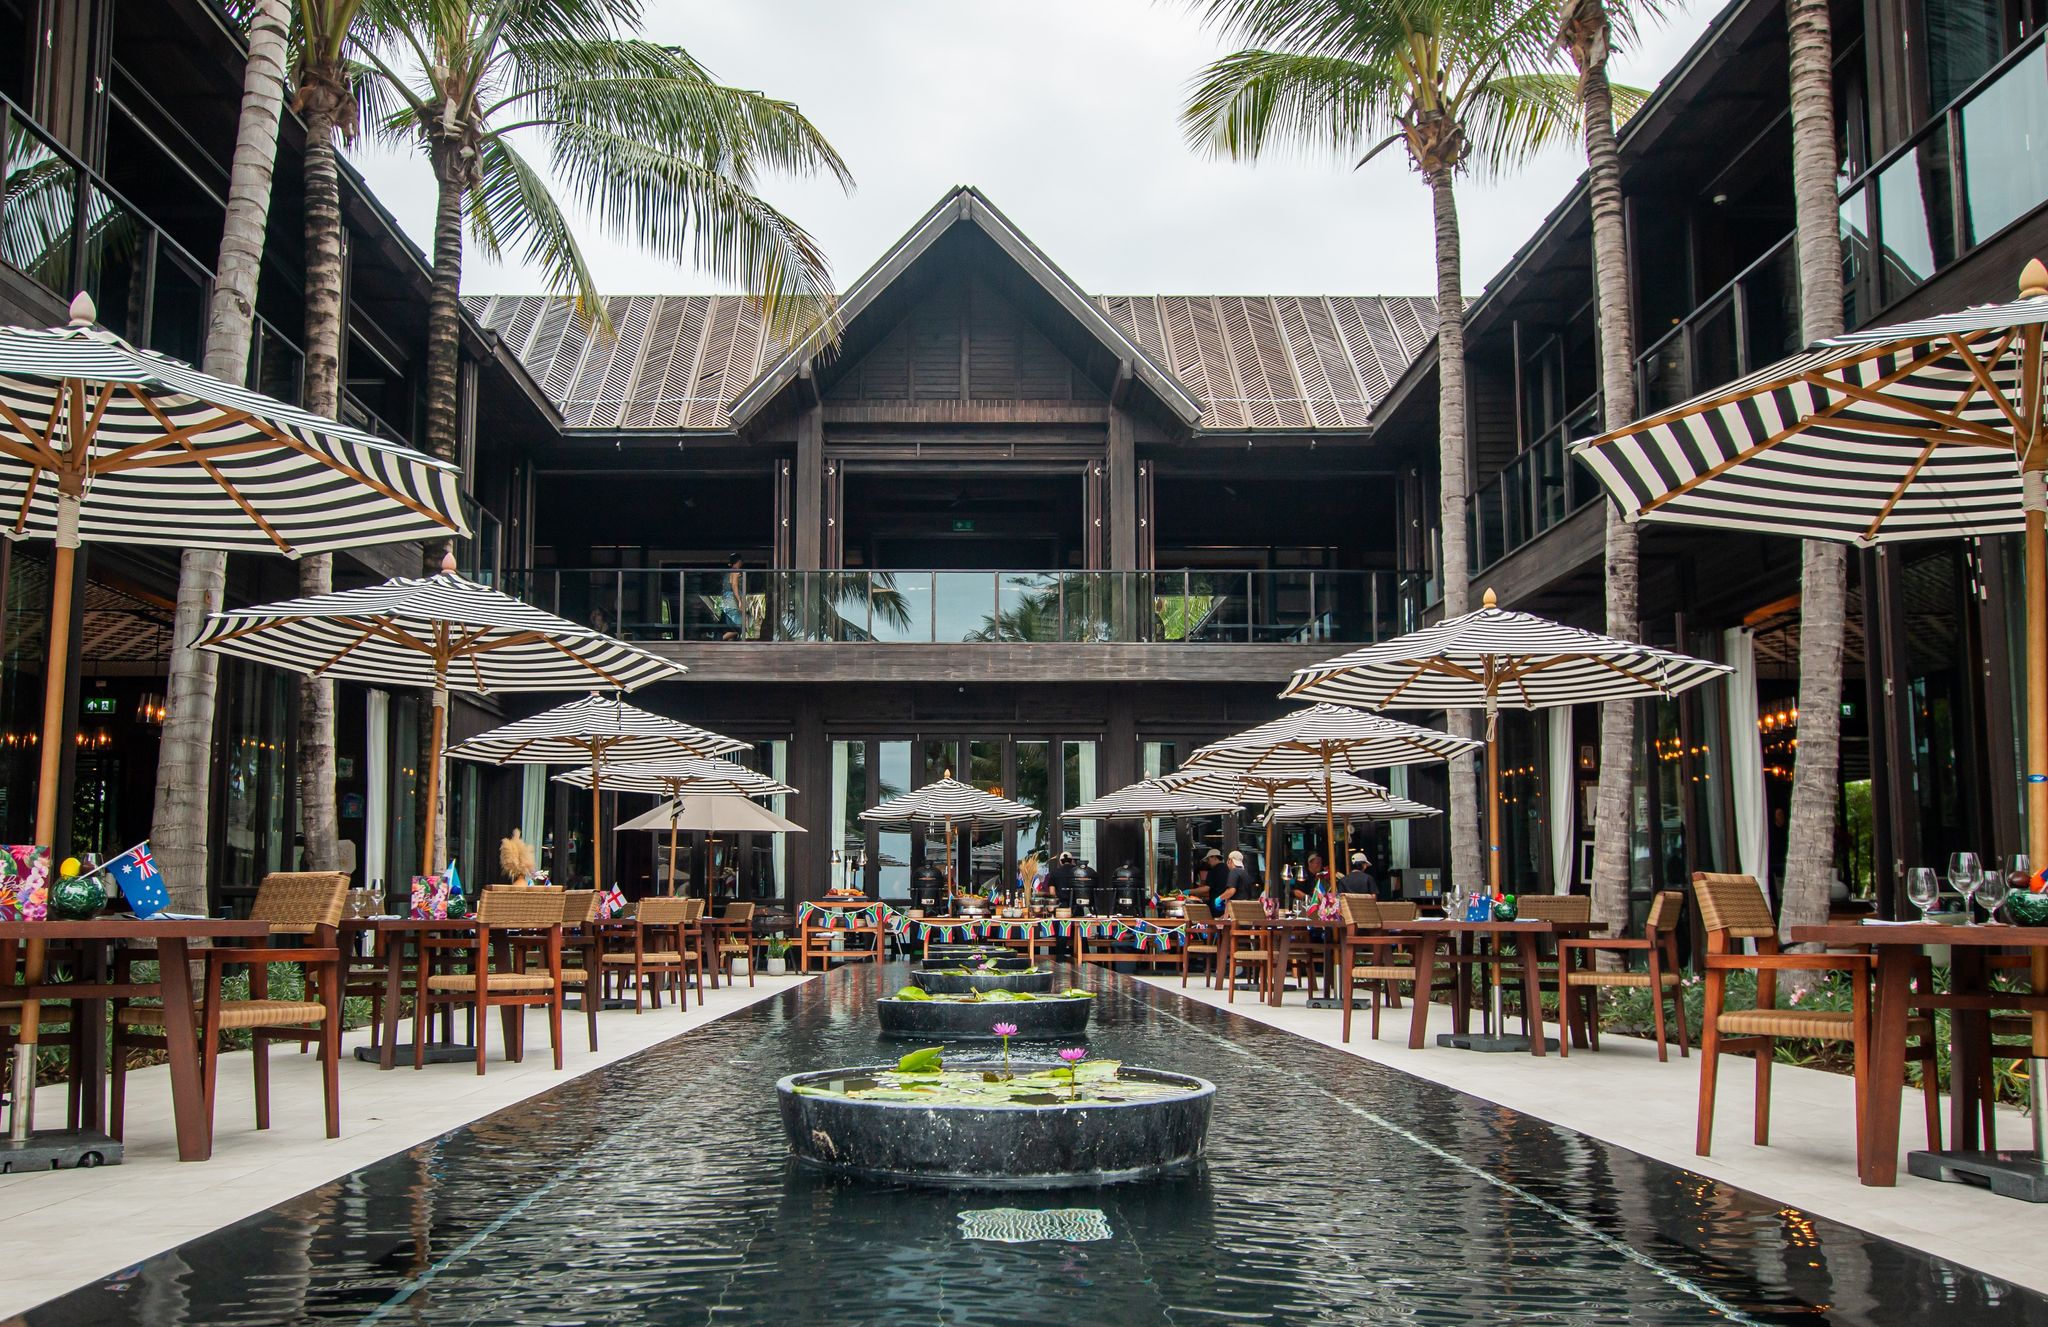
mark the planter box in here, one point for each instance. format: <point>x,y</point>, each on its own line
<point>946,1020</point>
<point>964,983</point>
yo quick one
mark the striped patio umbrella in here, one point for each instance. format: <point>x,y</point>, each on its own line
<point>1150,801</point>
<point>441,632</point>
<point>1490,658</point>
<point>597,732</point>
<point>676,777</point>
<point>1930,429</point>
<point>1267,787</point>
<point>1325,740</point>
<point>102,441</point>
<point>948,802</point>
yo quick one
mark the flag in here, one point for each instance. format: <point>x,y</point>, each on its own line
<point>454,882</point>
<point>138,881</point>
<point>611,903</point>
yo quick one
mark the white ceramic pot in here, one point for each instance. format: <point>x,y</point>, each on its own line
<point>777,967</point>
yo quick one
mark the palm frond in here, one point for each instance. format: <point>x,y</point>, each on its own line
<point>511,208</point>
<point>1513,117</point>
<point>1255,100</point>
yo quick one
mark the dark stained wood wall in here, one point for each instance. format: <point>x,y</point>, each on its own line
<point>964,342</point>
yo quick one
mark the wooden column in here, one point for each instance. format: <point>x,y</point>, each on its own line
<point>1122,498</point>
<point>808,536</point>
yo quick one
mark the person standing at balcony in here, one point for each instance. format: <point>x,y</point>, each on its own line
<point>732,603</point>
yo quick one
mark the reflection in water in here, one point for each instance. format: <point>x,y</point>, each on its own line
<point>658,1190</point>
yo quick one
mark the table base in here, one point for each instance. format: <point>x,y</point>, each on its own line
<point>438,1052</point>
<point>576,1005</point>
<point>59,1149</point>
<point>1473,1041</point>
<point>2018,1175</point>
<point>1324,1002</point>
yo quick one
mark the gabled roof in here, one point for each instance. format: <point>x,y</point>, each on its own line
<point>1222,363</point>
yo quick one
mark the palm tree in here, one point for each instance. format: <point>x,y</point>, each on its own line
<point>1587,32</point>
<point>1460,84</point>
<point>178,825</point>
<point>324,95</point>
<point>640,133</point>
<point>1816,785</point>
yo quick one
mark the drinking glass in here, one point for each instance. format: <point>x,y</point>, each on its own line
<point>2019,872</point>
<point>1965,873</point>
<point>1923,887</point>
<point>1992,892</point>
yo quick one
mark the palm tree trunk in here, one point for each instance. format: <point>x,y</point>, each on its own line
<point>1465,822</point>
<point>1588,37</point>
<point>319,822</point>
<point>444,330</point>
<point>1816,782</point>
<point>178,825</point>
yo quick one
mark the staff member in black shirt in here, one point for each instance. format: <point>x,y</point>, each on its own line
<point>1358,880</point>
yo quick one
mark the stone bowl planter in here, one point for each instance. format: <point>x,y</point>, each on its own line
<point>1045,1018</point>
<point>1034,982</point>
<point>1004,1146</point>
<point>974,956</point>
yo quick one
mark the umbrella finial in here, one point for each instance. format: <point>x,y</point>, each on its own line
<point>2033,280</point>
<point>448,561</point>
<point>84,313</point>
<point>1487,600</point>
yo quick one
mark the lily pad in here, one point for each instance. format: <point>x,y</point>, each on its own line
<point>913,993</point>
<point>928,1060</point>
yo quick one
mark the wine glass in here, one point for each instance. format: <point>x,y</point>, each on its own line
<point>1991,893</point>
<point>1965,873</point>
<point>1923,887</point>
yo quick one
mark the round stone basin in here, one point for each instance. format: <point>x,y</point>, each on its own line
<point>953,982</point>
<point>1042,1018</point>
<point>975,956</point>
<point>1036,1140</point>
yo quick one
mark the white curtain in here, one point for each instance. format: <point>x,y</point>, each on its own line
<point>1746,761</point>
<point>533,805</point>
<point>836,845</point>
<point>1559,797</point>
<point>1397,849</point>
<point>377,782</point>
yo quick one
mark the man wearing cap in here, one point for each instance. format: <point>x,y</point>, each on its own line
<point>1216,877</point>
<point>1061,878</point>
<point>1358,880</point>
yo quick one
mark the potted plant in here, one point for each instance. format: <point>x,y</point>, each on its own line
<point>778,946</point>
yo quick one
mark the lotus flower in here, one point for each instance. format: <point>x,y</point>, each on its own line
<point>1006,1031</point>
<point>1073,1055</point>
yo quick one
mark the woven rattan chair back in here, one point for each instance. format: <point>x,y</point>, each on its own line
<point>1244,913</point>
<point>738,913</point>
<point>1362,910</point>
<point>519,907</point>
<point>1733,904</point>
<point>299,901</point>
<point>1555,908</point>
<point>579,907</point>
<point>693,910</point>
<point>667,910</point>
<point>1665,910</point>
<point>1398,910</point>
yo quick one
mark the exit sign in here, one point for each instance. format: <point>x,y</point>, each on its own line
<point>963,525</point>
<point>99,704</point>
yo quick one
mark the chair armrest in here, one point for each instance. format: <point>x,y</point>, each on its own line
<point>1594,946</point>
<point>255,954</point>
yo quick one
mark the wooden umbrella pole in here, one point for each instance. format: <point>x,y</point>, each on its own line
<point>1281,895</point>
<point>1329,820</point>
<point>675,813</point>
<point>437,740</point>
<point>1492,810</point>
<point>2034,383</point>
<point>596,820</point>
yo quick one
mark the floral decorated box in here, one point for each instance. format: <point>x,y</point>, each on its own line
<point>24,882</point>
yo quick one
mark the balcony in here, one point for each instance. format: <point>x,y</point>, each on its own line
<point>66,229</point>
<point>981,607</point>
<point>1535,492</point>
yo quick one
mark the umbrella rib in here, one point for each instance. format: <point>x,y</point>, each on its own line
<point>1827,412</point>
<point>45,454</point>
<point>1983,375</point>
<point>1899,492</point>
<point>390,631</point>
<point>1868,396</point>
<point>367,481</point>
<point>137,460</point>
<point>28,497</point>
<point>567,653</point>
<point>253,628</point>
<point>171,431</point>
<point>343,652</point>
<point>124,458</point>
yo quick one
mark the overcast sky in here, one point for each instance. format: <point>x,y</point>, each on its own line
<point>1063,112</point>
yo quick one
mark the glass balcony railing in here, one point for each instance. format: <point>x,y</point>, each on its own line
<point>969,607</point>
<point>1533,492</point>
<point>65,228</point>
<point>1748,323</point>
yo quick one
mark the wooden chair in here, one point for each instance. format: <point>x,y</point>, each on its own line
<point>580,950</point>
<point>1664,977</point>
<point>1204,939</point>
<point>304,903</point>
<point>1385,963</point>
<point>1247,923</point>
<point>1574,908</point>
<point>484,970</point>
<point>693,945</point>
<point>660,950</point>
<point>1732,909</point>
<point>736,939</point>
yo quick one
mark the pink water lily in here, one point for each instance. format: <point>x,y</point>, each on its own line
<point>1006,1029</point>
<point>1073,1055</point>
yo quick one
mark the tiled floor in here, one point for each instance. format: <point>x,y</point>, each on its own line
<point>1624,1096</point>
<point>66,1228</point>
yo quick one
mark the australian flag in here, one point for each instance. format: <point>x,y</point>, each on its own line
<point>136,876</point>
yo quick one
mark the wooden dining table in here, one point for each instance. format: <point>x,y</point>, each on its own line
<point>1896,951</point>
<point>172,940</point>
<point>392,938</point>
<point>1476,944</point>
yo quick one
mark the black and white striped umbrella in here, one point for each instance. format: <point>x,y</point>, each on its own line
<point>1349,798</point>
<point>440,632</point>
<point>1491,659</point>
<point>100,440</point>
<point>1894,433</point>
<point>948,802</point>
<point>596,731</point>
<point>1323,741</point>
<point>701,778</point>
<point>1148,799</point>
